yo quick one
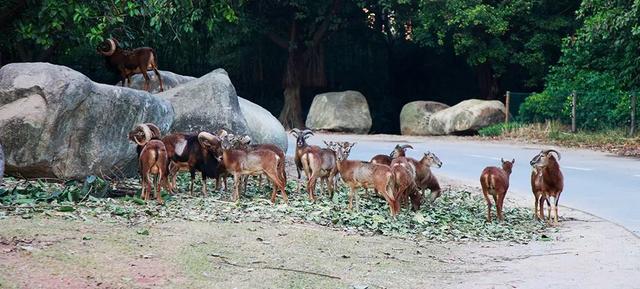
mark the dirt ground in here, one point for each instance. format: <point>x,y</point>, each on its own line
<point>55,252</point>
<point>51,252</point>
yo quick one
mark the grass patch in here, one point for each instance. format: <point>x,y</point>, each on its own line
<point>455,216</point>
<point>499,129</point>
<point>616,140</point>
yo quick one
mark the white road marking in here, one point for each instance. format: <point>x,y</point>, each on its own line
<point>484,157</point>
<point>577,168</point>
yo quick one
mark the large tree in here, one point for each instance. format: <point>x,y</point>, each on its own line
<point>495,34</point>
<point>299,28</point>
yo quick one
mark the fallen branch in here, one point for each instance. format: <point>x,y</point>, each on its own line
<point>225,261</point>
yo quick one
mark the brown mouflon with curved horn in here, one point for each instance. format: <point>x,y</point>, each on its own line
<point>547,182</point>
<point>130,62</point>
<point>398,151</point>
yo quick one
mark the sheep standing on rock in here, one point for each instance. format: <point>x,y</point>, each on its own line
<point>130,62</point>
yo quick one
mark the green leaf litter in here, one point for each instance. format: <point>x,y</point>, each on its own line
<point>458,215</point>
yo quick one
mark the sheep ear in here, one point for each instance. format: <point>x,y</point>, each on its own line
<point>502,160</point>
<point>513,161</point>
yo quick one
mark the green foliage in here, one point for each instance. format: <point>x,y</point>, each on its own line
<point>600,62</point>
<point>539,107</point>
<point>39,191</point>
<point>499,33</point>
<point>499,129</point>
<point>456,215</point>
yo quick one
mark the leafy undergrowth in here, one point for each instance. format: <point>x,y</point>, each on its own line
<point>614,141</point>
<point>457,215</point>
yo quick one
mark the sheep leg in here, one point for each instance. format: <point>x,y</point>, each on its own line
<point>552,208</point>
<point>486,198</point>
<point>147,80</point>
<point>311,186</point>
<point>280,181</point>
<point>331,185</point>
<point>193,178</point>
<point>549,207</point>
<point>155,70</point>
<point>499,206</point>
<point>129,80</point>
<point>536,200</point>
<point>555,208</point>
<point>159,179</point>
<point>351,195</point>
<point>299,176</point>
<point>149,188</point>
<point>204,185</point>
<point>259,180</point>
<point>541,207</point>
<point>236,185</point>
<point>245,181</point>
<point>273,175</point>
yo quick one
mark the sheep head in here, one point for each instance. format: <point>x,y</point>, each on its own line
<point>141,134</point>
<point>399,150</point>
<point>542,159</point>
<point>301,136</point>
<point>108,47</point>
<point>431,159</point>
<point>507,166</point>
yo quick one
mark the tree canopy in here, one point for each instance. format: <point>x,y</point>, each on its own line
<point>280,53</point>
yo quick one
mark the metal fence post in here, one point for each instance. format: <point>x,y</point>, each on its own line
<point>632,131</point>
<point>506,104</point>
<point>573,111</point>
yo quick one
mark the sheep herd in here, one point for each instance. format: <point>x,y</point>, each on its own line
<point>399,179</point>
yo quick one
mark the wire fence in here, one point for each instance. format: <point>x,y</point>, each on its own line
<point>589,110</point>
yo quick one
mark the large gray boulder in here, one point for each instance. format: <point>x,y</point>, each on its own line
<point>1,164</point>
<point>415,115</point>
<point>263,126</point>
<point>56,122</point>
<point>169,81</point>
<point>345,111</point>
<point>466,117</point>
<point>208,103</point>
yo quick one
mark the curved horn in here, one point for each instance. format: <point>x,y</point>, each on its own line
<point>295,132</point>
<point>155,130</point>
<point>112,48</point>
<point>222,132</point>
<point>406,146</point>
<point>553,151</point>
<point>205,136</point>
<point>307,131</point>
<point>147,134</point>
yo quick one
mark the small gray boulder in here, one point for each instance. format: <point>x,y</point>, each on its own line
<point>414,117</point>
<point>466,117</point>
<point>345,111</point>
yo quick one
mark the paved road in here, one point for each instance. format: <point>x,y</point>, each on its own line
<point>602,184</point>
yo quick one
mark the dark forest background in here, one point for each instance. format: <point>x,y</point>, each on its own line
<point>280,53</point>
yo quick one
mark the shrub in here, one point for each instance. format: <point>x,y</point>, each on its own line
<point>499,129</point>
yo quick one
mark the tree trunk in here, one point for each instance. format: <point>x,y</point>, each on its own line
<point>487,82</point>
<point>291,114</point>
